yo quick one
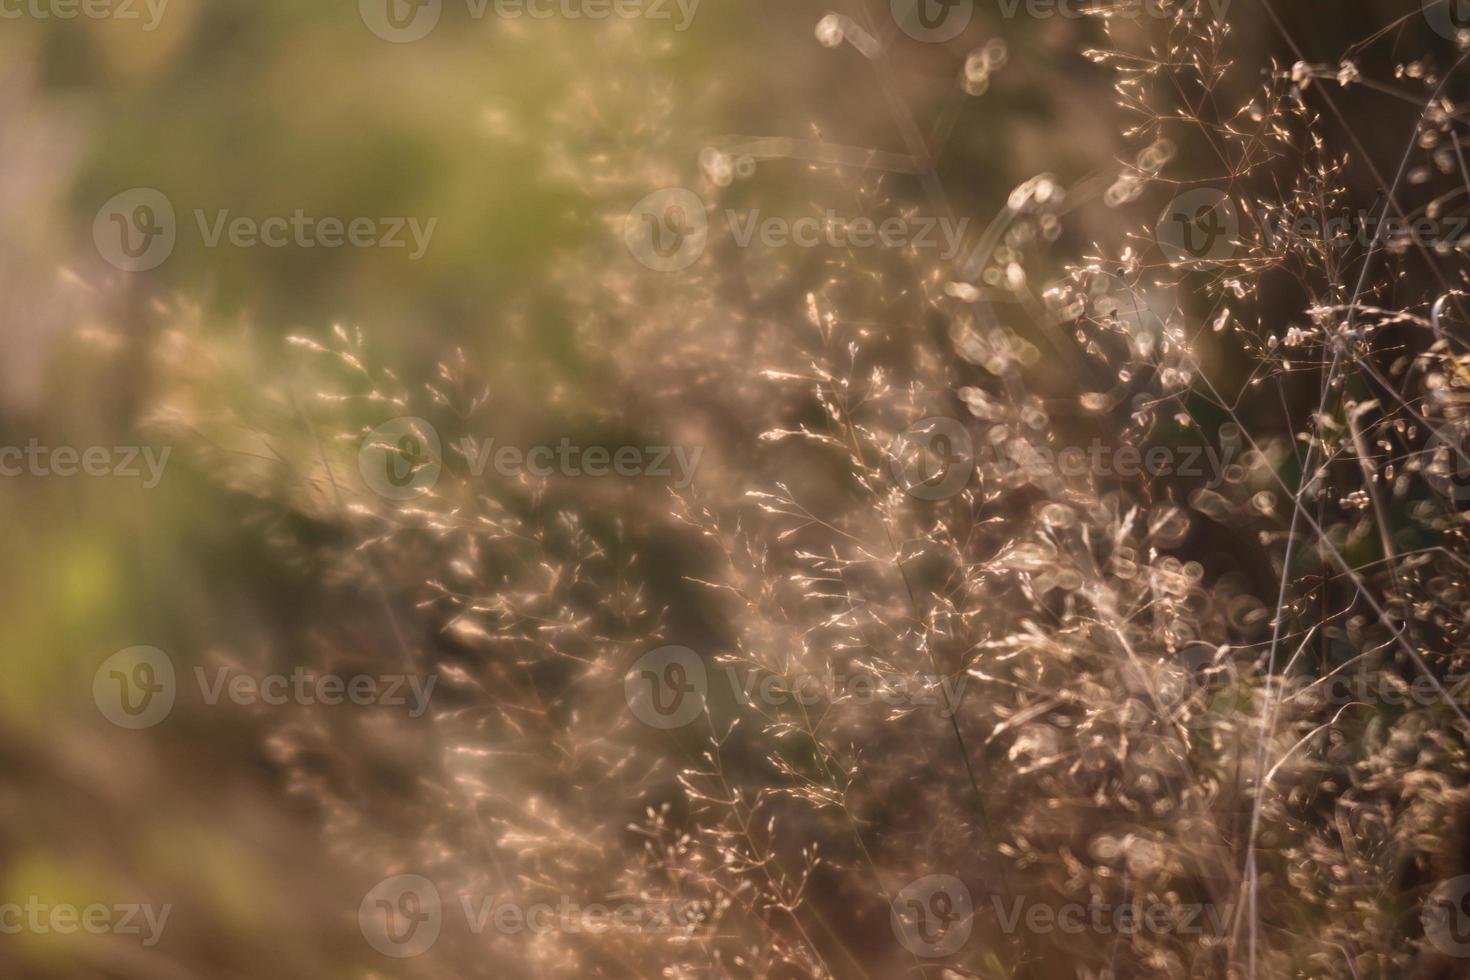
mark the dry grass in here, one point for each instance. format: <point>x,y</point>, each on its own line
<point>1144,659</point>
